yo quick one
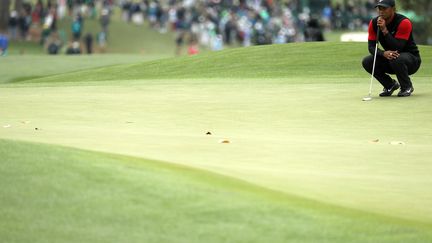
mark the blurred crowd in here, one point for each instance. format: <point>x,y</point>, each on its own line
<point>209,23</point>
<point>39,22</point>
<point>215,23</point>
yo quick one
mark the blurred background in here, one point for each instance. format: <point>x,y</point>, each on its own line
<point>187,27</point>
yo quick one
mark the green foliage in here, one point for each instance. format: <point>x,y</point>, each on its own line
<point>422,29</point>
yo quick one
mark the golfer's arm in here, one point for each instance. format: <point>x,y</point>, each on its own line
<point>395,44</point>
<point>398,41</point>
<point>371,47</point>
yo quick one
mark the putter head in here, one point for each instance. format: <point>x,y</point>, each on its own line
<point>367,98</point>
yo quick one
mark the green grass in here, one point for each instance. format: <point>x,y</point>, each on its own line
<point>299,132</point>
<point>66,195</point>
<point>340,62</point>
<point>21,68</point>
<point>24,48</point>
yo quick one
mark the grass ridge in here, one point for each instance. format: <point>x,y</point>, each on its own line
<point>315,59</point>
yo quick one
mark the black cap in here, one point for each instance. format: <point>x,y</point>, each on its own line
<point>385,3</point>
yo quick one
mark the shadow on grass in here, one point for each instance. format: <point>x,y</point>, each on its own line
<point>22,79</point>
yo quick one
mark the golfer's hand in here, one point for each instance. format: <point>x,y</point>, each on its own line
<point>391,55</point>
<point>382,25</point>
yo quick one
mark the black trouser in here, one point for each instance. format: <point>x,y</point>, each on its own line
<point>403,66</point>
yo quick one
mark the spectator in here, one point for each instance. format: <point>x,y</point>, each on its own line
<point>102,42</point>
<point>77,27</point>
<point>49,24</point>
<point>327,14</point>
<point>38,13</point>
<point>24,21</point>
<point>4,43</point>
<point>88,39</point>
<point>70,6</point>
<point>74,48</point>
<point>13,25</point>
<point>313,31</point>
<point>53,43</point>
<point>193,46</point>
<point>126,11</point>
<point>105,20</point>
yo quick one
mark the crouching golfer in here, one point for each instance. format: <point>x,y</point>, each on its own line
<point>400,55</point>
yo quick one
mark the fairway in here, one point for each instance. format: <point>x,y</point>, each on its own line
<point>303,145</point>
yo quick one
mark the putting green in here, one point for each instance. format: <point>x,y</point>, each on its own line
<point>309,136</point>
<point>312,140</point>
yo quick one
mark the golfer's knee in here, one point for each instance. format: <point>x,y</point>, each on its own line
<point>397,62</point>
<point>367,64</point>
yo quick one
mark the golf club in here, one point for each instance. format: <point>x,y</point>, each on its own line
<point>369,97</point>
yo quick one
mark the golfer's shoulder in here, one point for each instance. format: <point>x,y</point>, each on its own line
<point>400,18</point>
<point>373,21</point>
<point>403,22</point>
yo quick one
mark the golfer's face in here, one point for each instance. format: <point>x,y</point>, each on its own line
<point>384,12</point>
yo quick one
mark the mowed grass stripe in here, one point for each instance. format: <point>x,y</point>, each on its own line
<point>58,194</point>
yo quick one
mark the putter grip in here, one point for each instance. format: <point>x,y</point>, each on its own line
<point>378,30</point>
